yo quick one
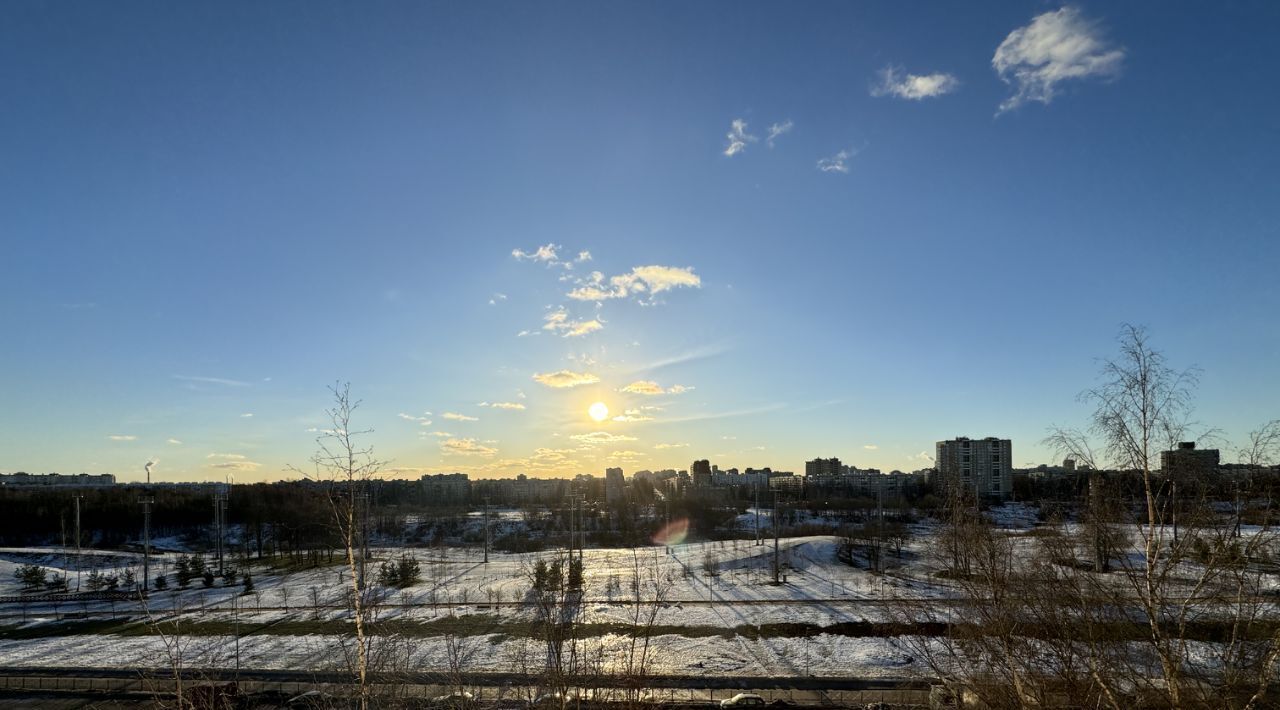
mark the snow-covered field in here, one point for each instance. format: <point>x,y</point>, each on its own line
<point>298,619</point>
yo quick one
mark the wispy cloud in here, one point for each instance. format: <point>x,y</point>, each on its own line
<point>838,163</point>
<point>466,447</point>
<point>601,437</point>
<point>558,321</point>
<point>625,455</point>
<point>422,421</point>
<point>122,437</point>
<point>175,442</point>
<point>870,447</point>
<point>497,298</point>
<point>644,282</point>
<point>227,457</point>
<point>651,388</point>
<point>565,378</point>
<point>502,405</point>
<point>671,446</point>
<point>454,416</point>
<point>1055,47</point>
<point>738,138</point>
<point>896,82</point>
<point>237,465</point>
<point>633,415</point>
<point>547,254</point>
<point>778,129</point>
<point>246,415</point>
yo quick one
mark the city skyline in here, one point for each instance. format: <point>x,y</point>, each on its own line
<point>754,239</point>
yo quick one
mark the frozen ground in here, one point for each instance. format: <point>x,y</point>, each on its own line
<point>716,611</point>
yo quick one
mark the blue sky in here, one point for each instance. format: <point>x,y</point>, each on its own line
<point>215,211</point>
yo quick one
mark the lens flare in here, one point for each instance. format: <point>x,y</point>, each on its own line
<point>673,533</point>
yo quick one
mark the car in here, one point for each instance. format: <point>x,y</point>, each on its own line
<point>742,700</point>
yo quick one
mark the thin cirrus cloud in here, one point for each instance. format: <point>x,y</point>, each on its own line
<point>454,416</point>
<point>737,138</point>
<point>122,437</point>
<point>502,405</point>
<point>565,378</point>
<point>175,442</point>
<point>897,83</point>
<point>466,447</point>
<point>633,415</point>
<point>596,438</point>
<point>651,388</point>
<point>641,281</point>
<point>671,446</point>
<point>423,421</point>
<point>870,447</point>
<point>777,130</point>
<point>838,163</point>
<point>1053,48</point>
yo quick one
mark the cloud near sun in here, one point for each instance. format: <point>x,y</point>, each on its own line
<point>650,388</point>
<point>565,378</point>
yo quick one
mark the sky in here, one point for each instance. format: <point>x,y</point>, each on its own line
<point>756,232</point>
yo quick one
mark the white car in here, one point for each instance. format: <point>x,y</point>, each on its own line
<point>742,700</point>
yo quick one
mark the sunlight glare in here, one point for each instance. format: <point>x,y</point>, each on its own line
<point>598,411</point>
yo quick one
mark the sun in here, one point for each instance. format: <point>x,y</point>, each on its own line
<point>598,411</point>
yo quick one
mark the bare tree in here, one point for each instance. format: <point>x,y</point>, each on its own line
<point>346,466</point>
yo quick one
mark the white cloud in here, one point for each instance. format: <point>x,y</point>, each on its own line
<point>439,434</point>
<point>454,416</point>
<point>914,87</point>
<point>1055,47</point>
<point>565,378</point>
<point>625,455</point>
<point>175,442</point>
<point>738,138</point>
<point>246,415</point>
<point>838,163</point>
<point>641,280</point>
<point>227,457</point>
<point>122,437</point>
<point>497,298</point>
<point>870,447</point>
<point>424,421</point>
<point>583,255</point>
<point>651,388</point>
<point>670,446</point>
<point>466,447</point>
<point>545,254</point>
<point>558,321</point>
<point>601,437</point>
<point>502,405</point>
<point>777,130</point>
<point>729,438</point>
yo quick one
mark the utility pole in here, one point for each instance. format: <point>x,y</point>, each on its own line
<point>777,562</point>
<point>757,491</point>
<point>219,526</point>
<point>486,530</point>
<point>78,558</point>
<point>146,543</point>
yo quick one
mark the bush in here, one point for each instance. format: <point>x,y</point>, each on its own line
<point>161,583</point>
<point>207,578</point>
<point>400,573</point>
